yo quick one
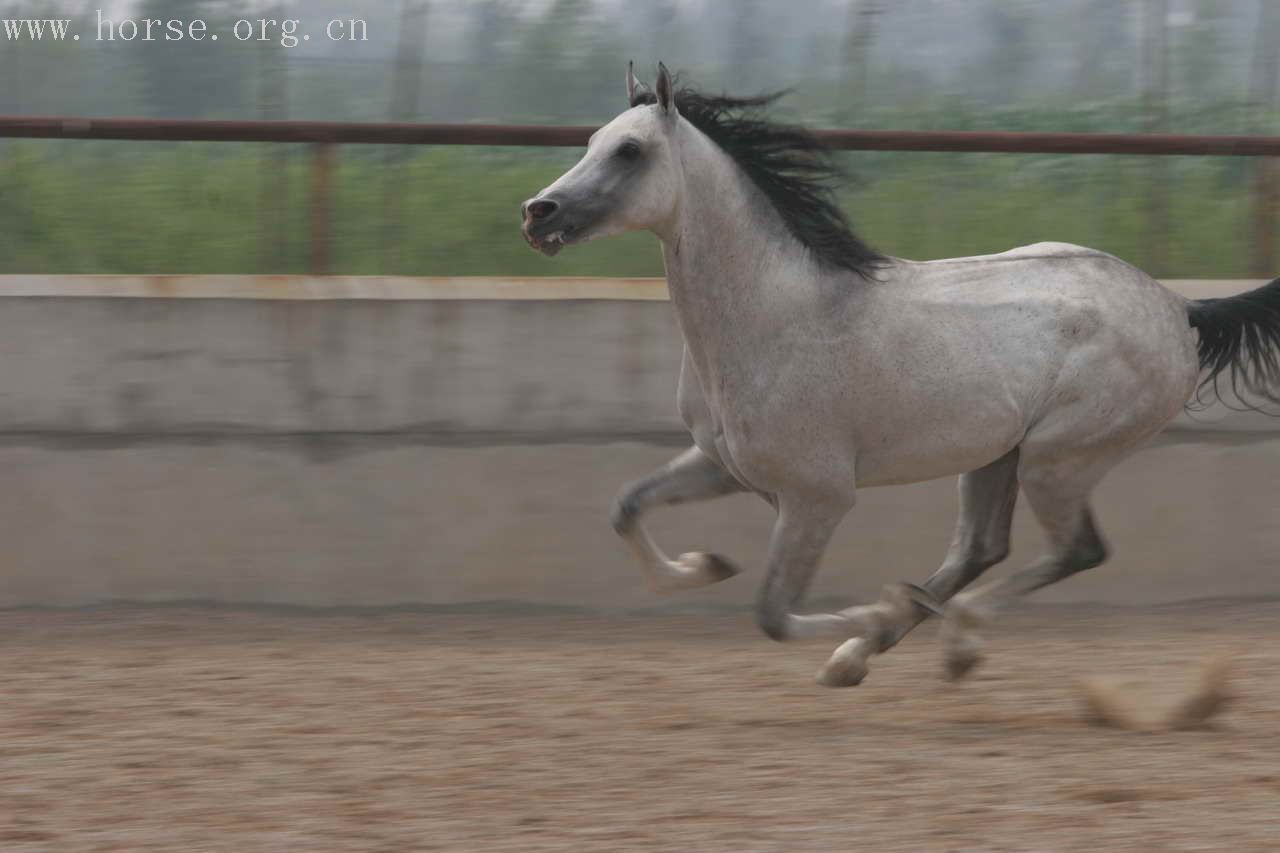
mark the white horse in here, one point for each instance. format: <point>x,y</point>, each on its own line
<point>814,366</point>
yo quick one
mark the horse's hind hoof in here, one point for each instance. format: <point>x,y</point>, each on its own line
<point>847,666</point>
<point>960,639</point>
<point>959,663</point>
<point>709,568</point>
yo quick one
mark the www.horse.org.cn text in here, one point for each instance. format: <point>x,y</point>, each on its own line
<point>287,32</point>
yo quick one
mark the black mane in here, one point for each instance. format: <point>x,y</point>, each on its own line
<point>791,166</point>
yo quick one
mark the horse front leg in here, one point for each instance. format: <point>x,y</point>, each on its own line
<point>690,476</point>
<point>800,536</point>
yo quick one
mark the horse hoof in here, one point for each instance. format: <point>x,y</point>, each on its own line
<point>691,571</point>
<point>708,568</point>
<point>960,663</point>
<point>963,645</point>
<point>847,666</point>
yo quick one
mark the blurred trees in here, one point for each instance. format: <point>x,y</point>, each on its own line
<point>548,60</point>
<point>46,77</point>
<point>1009,50</point>
<point>184,78</point>
<point>858,47</point>
<point>1202,51</point>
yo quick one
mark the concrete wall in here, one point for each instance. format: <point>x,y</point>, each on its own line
<point>390,441</point>
<point>458,370</point>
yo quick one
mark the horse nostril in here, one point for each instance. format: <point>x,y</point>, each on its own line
<point>541,209</point>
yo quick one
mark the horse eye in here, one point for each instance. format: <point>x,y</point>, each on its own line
<point>628,151</point>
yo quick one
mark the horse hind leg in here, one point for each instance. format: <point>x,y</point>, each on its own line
<point>1059,497</point>
<point>691,476</point>
<point>987,498</point>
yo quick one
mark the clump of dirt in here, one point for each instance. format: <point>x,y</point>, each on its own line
<point>1125,705</point>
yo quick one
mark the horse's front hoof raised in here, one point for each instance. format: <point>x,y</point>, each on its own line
<point>693,570</point>
<point>847,666</point>
<point>706,568</point>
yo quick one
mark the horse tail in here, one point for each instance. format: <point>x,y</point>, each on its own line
<point>1240,339</point>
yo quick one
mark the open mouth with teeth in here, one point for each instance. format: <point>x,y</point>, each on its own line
<point>550,244</point>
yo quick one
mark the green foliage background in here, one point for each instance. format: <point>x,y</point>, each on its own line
<point>109,208</point>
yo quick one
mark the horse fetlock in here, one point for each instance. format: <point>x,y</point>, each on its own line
<point>881,624</point>
<point>774,621</point>
<point>906,600</point>
<point>623,513</point>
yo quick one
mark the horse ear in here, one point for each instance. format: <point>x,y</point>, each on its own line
<point>633,85</point>
<point>665,89</point>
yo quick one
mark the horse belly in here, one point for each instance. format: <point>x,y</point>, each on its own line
<point>945,444</point>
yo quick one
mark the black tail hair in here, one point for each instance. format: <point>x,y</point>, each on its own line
<point>1240,338</point>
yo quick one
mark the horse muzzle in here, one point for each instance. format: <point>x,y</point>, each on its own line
<point>545,228</point>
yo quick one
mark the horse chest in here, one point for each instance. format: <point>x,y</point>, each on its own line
<point>748,442</point>
<point>720,429</point>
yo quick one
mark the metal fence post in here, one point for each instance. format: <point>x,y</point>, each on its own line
<point>1266,217</point>
<point>322,160</point>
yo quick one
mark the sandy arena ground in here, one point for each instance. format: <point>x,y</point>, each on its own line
<point>177,729</point>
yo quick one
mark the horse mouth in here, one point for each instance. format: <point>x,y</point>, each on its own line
<point>550,244</point>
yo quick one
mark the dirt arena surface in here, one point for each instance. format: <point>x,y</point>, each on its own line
<point>470,730</point>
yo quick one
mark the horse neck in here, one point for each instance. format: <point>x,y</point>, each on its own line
<point>734,271</point>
